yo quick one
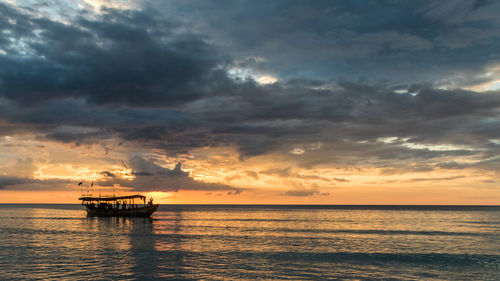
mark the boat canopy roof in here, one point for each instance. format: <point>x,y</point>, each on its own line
<point>114,198</point>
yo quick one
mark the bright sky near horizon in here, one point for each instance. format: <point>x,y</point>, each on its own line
<point>271,102</point>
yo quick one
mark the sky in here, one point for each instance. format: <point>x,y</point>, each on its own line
<point>251,102</point>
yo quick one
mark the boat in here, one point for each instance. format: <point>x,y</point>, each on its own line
<point>118,206</point>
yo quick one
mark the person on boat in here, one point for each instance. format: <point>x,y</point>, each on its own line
<point>150,203</point>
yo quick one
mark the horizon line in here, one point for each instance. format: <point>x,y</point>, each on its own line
<point>223,204</point>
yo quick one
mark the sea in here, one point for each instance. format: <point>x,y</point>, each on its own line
<point>252,242</point>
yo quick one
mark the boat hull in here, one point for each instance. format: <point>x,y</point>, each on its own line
<point>145,211</point>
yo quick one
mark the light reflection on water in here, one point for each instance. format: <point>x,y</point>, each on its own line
<point>228,243</point>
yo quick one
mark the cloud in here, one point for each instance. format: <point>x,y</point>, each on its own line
<point>434,179</point>
<point>149,176</point>
<point>108,174</point>
<point>280,172</point>
<point>252,174</point>
<point>47,60</point>
<point>397,41</point>
<point>348,121</point>
<point>304,192</point>
<point>25,183</point>
<point>301,192</point>
<point>341,180</point>
<point>235,192</point>
<point>153,81</point>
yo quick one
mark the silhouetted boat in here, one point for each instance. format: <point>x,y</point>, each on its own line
<point>118,206</point>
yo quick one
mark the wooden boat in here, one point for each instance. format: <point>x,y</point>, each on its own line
<point>118,206</point>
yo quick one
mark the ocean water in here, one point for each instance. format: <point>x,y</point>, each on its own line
<point>58,242</point>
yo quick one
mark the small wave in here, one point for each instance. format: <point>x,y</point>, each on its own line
<point>482,222</point>
<point>243,208</point>
<point>47,218</point>
<point>383,232</point>
<point>163,217</point>
<point>339,231</point>
<point>370,258</point>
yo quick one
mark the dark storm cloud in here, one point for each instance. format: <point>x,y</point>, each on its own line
<point>349,120</point>
<point>402,41</point>
<point>126,57</point>
<point>159,78</point>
